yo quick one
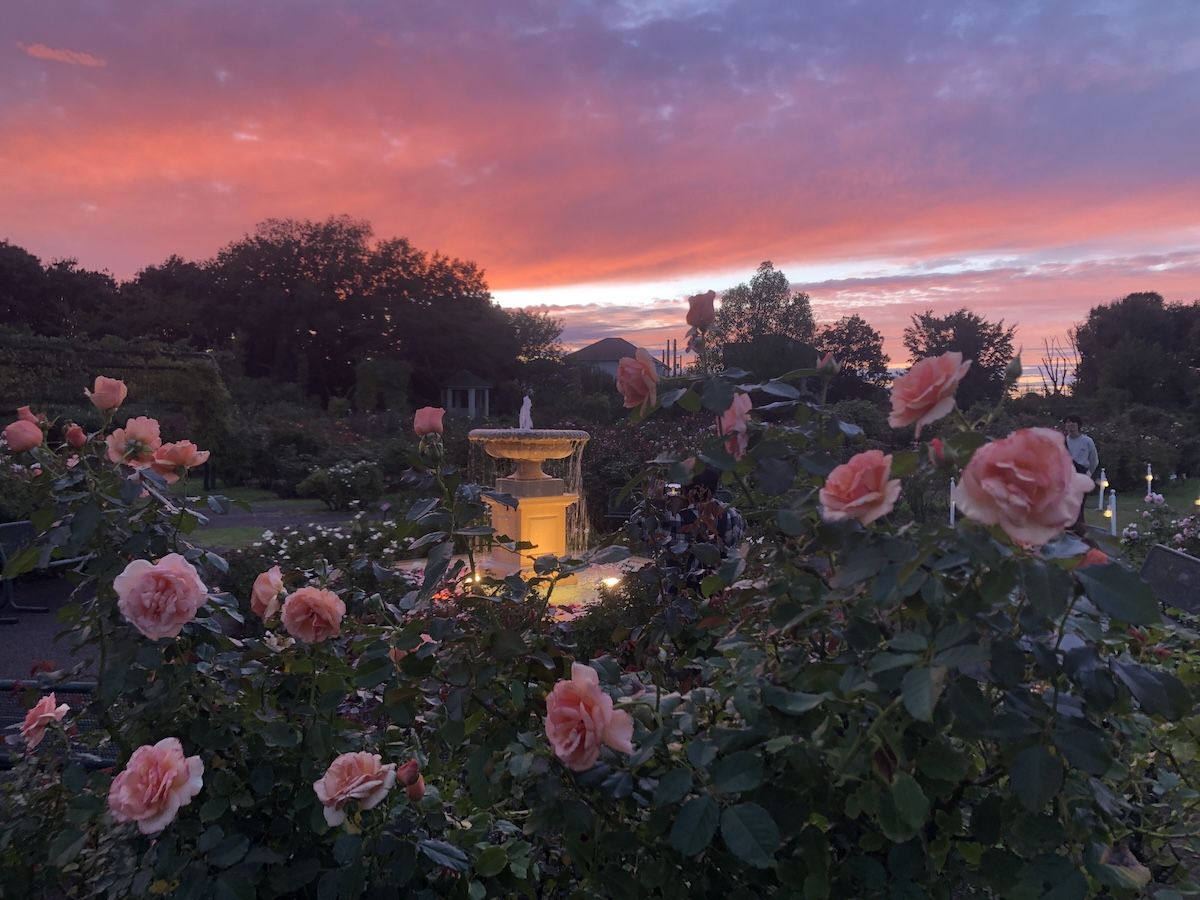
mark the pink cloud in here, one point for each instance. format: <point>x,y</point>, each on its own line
<point>57,54</point>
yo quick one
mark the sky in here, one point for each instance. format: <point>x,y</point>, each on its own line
<point>603,160</point>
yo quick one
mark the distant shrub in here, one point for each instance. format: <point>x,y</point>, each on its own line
<point>343,484</point>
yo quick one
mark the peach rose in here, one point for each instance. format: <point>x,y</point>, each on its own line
<point>1094,557</point>
<point>159,599</point>
<point>264,596</point>
<point>157,780</point>
<point>827,365</point>
<point>410,776</point>
<point>107,393</point>
<point>580,717</point>
<point>45,711</point>
<point>76,436</point>
<point>735,423</point>
<point>313,615</point>
<point>428,420</point>
<point>354,776</point>
<point>860,489</point>
<point>701,313</point>
<point>925,392</point>
<point>937,451</point>
<point>25,414</point>
<point>637,380</point>
<point>170,459</point>
<point>22,435</point>
<point>1024,483</point>
<point>135,444</point>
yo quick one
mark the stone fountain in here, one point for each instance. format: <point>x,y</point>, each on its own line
<point>540,516</point>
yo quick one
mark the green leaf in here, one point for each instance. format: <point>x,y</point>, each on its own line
<point>1048,588</point>
<point>347,848</point>
<point>909,642</point>
<point>689,401</point>
<point>445,855</point>
<point>1083,747</point>
<point>717,395</point>
<point>1158,692</point>
<point>695,825</point>
<point>739,772</point>
<point>750,834</point>
<point>911,802</point>
<point>492,861</point>
<point>962,655</point>
<point>230,851</point>
<point>920,690</point>
<point>885,662</point>
<point>1120,593</point>
<point>1036,776</point>
<point>280,734</point>
<point>793,703</point>
<point>673,787</point>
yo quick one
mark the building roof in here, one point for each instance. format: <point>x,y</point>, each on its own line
<point>609,349</point>
<point>464,379</point>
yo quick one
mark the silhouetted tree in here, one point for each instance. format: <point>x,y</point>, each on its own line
<point>765,306</point>
<point>987,344</point>
<point>859,349</point>
<point>538,335</point>
<point>1140,349</point>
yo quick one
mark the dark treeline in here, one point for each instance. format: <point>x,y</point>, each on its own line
<point>297,301</point>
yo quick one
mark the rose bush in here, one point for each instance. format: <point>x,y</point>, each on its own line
<point>874,706</point>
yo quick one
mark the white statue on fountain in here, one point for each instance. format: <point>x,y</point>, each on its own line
<point>525,421</point>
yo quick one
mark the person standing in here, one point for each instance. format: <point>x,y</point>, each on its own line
<point>1085,459</point>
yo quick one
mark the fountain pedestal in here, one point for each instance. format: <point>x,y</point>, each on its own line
<point>540,516</point>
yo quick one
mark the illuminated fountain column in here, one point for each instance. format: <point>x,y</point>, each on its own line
<point>540,516</point>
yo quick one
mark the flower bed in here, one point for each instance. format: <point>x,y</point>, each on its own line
<point>843,705</point>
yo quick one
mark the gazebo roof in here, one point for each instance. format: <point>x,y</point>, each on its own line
<point>464,379</point>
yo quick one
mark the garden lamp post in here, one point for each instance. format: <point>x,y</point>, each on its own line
<point>952,502</point>
<point>1149,481</point>
<point>1103,488</point>
<point>1111,513</point>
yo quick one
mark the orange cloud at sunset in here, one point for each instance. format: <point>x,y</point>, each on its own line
<point>927,155</point>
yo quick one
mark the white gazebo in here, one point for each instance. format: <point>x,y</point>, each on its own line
<point>466,394</point>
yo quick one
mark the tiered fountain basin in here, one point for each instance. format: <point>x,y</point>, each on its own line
<point>540,516</point>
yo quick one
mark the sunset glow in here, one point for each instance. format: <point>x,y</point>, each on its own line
<point>605,160</point>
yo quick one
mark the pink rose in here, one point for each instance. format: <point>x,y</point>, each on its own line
<point>157,781</point>
<point>701,313</point>
<point>409,775</point>
<point>926,392</point>
<point>107,393</point>
<point>1024,483</point>
<point>1094,557</point>
<point>264,596</point>
<point>76,436</point>
<point>159,599</point>
<point>170,459</point>
<point>860,489</point>
<point>313,615</point>
<point>580,717</point>
<point>354,776</point>
<point>22,435</point>
<point>25,414</point>
<point>33,729</point>
<point>428,420</point>
<point>637,380</point>
<point>135,444</point>
<point>827,365</point>
<point>735,423</point>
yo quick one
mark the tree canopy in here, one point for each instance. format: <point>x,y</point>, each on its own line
<point>859,349</point>
<point>1140,349</point>
<point>765,307</point>
<point>989,346</point>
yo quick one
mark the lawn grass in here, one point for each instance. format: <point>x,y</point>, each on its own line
<point>260,499</point>
<point>1180,495</point>
<point>237,537</point>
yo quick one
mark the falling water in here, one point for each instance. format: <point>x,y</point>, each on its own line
<point>570,470</point>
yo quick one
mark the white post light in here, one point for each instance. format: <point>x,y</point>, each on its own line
<point>1103,488</point>
<point>952,502</point>
<point>1111,513</point>
<point>1149,481</point>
